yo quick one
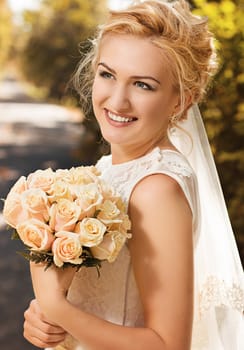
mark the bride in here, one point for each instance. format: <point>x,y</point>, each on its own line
<point>178,284</point>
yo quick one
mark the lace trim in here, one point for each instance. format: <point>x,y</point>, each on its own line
<point>179,168</point>
<point>157,160</point>
<point>216,293</point>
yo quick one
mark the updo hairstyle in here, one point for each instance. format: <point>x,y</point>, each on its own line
<point>184,38</point>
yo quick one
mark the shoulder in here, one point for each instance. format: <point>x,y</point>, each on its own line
<point>156,184</point>
<point>159,191</point>
<point>168,181</point>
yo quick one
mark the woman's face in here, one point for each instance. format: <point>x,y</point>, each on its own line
<point>133,95</point>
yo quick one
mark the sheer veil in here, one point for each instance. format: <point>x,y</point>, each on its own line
<point>219,277</point>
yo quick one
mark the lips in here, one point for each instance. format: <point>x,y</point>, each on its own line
<point>119,118</point>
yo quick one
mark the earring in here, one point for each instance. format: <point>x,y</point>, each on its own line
<point>173,119</point>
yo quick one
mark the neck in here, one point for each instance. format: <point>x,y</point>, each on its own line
<point>125,153</point>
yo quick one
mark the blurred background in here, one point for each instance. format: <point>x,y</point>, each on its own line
<point>42,124</point>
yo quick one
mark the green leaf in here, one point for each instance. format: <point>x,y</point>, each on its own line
<point>15,235</point>
<point>47,258</point>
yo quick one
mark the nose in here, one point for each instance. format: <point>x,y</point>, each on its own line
<point>119,100</point>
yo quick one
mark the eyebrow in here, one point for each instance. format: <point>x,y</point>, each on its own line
<point>133,77</point>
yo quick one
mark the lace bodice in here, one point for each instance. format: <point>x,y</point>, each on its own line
<point>114,295</point>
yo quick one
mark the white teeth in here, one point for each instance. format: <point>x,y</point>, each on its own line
<point>118,118</point>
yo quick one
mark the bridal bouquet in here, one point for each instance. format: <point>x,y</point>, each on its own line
<point>67,217</point>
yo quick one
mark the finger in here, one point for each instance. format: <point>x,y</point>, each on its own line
<point>36,320</point>
<point>34,315</point>
<point>36,335</point>
<point>39,343</point>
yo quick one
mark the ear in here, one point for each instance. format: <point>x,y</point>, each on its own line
<point>187,103</point>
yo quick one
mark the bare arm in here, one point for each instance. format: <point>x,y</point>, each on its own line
<point>37,329</point>
<point>162,258</point>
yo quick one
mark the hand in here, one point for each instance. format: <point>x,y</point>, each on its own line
<point>37,329</point>
<point>50,286</point>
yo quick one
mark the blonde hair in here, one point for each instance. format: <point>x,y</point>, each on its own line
<point>184,38</point>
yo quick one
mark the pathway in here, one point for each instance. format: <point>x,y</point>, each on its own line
<point>32,135</point>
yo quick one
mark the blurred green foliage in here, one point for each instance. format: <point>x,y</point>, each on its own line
<point>223,110</point>
<point>5,32</point>
<point>49,54</point>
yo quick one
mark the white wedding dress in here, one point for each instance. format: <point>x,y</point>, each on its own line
<point>114,296</point>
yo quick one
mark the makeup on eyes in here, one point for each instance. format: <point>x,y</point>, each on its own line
<point>110,73</point>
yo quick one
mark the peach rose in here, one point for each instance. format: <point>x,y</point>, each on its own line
<point>13,211</point>
<point>110,247</point>
<point>91,231</point>
<point>108,212</point>
<point>66,248</point>
<point>19,186</point>
<point>64,215</point>
<point>42,179</point>
<point>88,199</point>
<point>35,202</point>
<point>35,234</point>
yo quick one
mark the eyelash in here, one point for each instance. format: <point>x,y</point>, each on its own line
<point>140,84</point>
<point>145,85</point>
<point>106,75</point>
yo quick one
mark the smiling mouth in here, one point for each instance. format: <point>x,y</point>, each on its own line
<point>119,118</point>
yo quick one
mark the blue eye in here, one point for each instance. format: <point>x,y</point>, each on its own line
<point>106,75</point>
<point>143,85</point>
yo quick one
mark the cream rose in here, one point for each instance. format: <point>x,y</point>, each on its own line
<point>63,175</point>
<point>91,231</point>
<point>123,226</point>
<point>42,179</point>
<point>110,247</point>
<point>84,175</point>
<point>35,234</point>
<point>108,192</point>
<point>120,205</point>
<point>35,202</point>
<point>89,197</point>
<point>64,215</point>
<point>66,248</point>
<point>108,212</point>
<point>79,175</point>
<point>59,190</point>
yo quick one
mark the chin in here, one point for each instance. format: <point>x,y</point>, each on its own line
<point>114,138</point>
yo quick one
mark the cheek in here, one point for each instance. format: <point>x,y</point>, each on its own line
<point>98,98</point>
<point>162,106</point>
<point>99,95</point>
<point>95,94</point>
<point>153,107</point>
